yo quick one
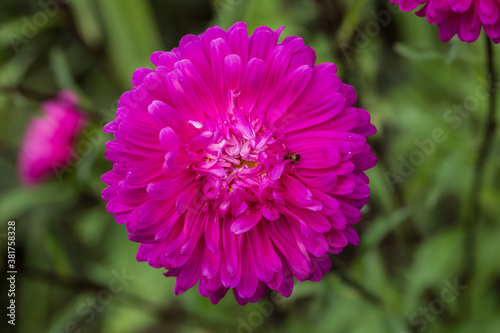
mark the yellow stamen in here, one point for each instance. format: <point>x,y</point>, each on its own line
<point>250,164</point>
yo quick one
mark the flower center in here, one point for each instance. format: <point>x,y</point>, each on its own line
<point>239,166</point>
<point>250,164</point>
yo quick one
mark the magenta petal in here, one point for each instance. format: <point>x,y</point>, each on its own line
<point>165,190</point>
<point>463,18</point>
<point>212,233</point>
<point>277,170</point>
<point>270,262</point>
<point>249,281</point>
<point>320,157</point>
<point>270,213</point>
<point>200,140</point>
<point>298,118</point>
<point>295,82</point>
<point>460,6</point>
<point>231,272</point>
<point>139,75</point>
<point>218,295</point>
<point>242,125</point>
<point>167,59</point>
<point>212,34</point>
<point>338,221</point>
<point>188,276</point>
<point>284,242</point>
<point>286,287</point>
<point>470,26</point>
<point>47,145</point>
<point>184,96</point>
<point>164,115</point>
<point>407,5</point>
<point>336,238</point>
<point>352,236</point>
<point>233,70</point>
<point>297,189</point>
<point>488,11</point>
<point>316,244</point>
<point>261,43</point>
<point>187,39</point>
<point>246,221</point>
<point>493,31</point>
<point>316,221</point>
<point>238,41</point>
<point>169,140</point>
<point>109,193</point>
<point>185,199</point>
<point>146,171</point>
<point>293,43</point>
<point>199,84</point>
<point>253,76</point>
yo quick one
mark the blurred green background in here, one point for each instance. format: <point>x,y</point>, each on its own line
<point>416,268</point>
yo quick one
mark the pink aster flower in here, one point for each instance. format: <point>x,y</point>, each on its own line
<point>48,140</point>
<point>461,17</point>
<point>239,163</point>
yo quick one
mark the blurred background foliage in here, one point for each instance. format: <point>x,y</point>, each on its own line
<point>413,237</point>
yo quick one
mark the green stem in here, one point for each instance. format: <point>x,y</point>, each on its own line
<point>489,132</point>
<point>474,198</point>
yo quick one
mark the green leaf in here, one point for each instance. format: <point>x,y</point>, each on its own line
<point>85,13</point>
<point>417,54</point>
<point>437,259</point>
<point>62,70</point>
<point>453,52</point>
<point>131,34</point>
<point>383,225</point>
<point>17,201</point>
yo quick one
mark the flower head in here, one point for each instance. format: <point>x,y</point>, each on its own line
<point>239,163</point>
<point>461,17</point>
<point>48,140</point>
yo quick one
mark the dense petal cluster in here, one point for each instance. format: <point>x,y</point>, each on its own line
<point>239,163</point>
<point>47,143</point>
<point>464,18</point>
